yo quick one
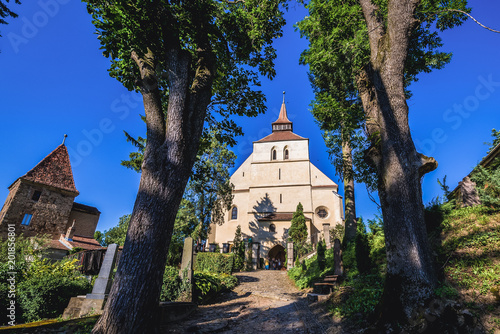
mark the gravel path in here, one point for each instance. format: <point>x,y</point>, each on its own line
<point>264,301</point>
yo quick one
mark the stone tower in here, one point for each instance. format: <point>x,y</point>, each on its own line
<point>40,202</point>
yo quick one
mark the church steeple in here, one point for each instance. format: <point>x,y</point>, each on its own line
<point>282,123</point>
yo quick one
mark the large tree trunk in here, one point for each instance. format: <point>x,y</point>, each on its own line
<point>410,279</point>
<point>133,302</point>
<point>349,202</point>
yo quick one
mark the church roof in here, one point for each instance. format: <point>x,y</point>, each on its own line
<point>283,117</point>
<point>280,135</point>
<point>54,170</point>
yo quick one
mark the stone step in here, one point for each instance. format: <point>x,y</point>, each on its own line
<point>330,279</point>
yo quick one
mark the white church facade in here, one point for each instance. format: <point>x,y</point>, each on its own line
<point>269,185</point>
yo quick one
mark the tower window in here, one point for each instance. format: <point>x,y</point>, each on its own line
<point>285,154</point>
<point>36,195</point>
<point>281,198</point>
<point>27,219</point>
<point>234,213</point>
<point>273,154</point>
<point>279,174</point>
<point>272,228</point>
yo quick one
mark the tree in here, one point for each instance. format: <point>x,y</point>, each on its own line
<point>298,230</point>
<point>115,235</point>
<point>386,44</point>
<point>209,189</point>
<point>239,248</point>
<point>190,60</point>
<point>6,12</point>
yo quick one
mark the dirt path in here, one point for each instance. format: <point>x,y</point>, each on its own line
<point>264,301</point>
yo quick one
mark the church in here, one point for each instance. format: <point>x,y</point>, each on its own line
<point>269,185</point>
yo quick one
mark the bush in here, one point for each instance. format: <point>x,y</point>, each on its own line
<point>46,289</point>
<point>171,287</point>
<point>214,263</point>
<point>321,254</point>
<point>208,285</point>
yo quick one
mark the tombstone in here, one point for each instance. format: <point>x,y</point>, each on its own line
<point>326,233</point>
<point>255,255</point>
<point>289,255</point>
<point>467,193</point>
<point>186,271</point>
<point>93,303</point>
<point>103,282</point>
<point>337,258</point>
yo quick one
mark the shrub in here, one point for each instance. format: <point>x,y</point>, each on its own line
<point>47,288</point>
<point>321,254</point>
<point>171,287</point>
<point>214,263</point>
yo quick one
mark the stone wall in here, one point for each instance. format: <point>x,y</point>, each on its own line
<point>50,211</point>
<point>85,222</point>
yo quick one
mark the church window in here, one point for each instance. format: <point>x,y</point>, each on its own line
<point>322,213</point>
<point>281,198</point>
<point>285,153</point>
<point>27,219</point>
<point>36,195</point>
<point>234,213</point>
<point>273,154</point>
<point>279,174</point>
<point>272,228</point>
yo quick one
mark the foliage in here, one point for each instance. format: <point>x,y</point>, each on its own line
<point>209,189</point>
<point>358,297</point>
<point>298,230</point>
<point>238,249</point>
<point>47,288</point>
<point>172,283</point>
<point>249,257</point>
<point>496,140</point>
<point>43,289</point>
<point>338,232</point>
<point>488,185</point>
<point>6,12</point>
<point>307,272</point>
<point>208,285</point>
<point>214,262</point>
<point>362,248</point>
<point>321,248</point>
<point>469,253</point>
<point>115,235</point>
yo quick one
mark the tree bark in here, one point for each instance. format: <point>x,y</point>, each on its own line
<point>349,201</point>
<point>133,302</point>
<point>410,280</point>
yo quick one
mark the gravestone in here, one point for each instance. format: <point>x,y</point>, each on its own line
<point>186,271</point>
<point>337,258</point>
<point>103,282</point>
<point>467,194</point>
<point>289,255</point>
<point>326,232</point>
<point>93,303</point>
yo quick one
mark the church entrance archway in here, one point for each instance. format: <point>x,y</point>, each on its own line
<point>278,254</point>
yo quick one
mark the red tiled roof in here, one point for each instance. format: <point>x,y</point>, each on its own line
<point>54,170</point>
<point>57,245</point>
<point>279,136</point>
<point>85,242</point>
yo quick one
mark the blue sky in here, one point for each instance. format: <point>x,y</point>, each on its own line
<point>55,81</point>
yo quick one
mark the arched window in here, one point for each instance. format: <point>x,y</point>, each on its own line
<point>273,154</point>
<point>285,153</point>
<point>272,228</point>
<point>234,213</point>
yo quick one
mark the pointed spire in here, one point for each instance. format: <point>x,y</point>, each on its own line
<point>54,170</point>
<point>65,136</point>
<point>283,123</point>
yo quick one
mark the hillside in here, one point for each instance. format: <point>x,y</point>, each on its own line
<point>469,255</point>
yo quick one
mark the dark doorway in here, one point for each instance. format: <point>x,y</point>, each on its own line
<point>278,255</point>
